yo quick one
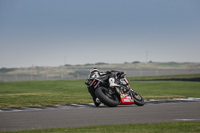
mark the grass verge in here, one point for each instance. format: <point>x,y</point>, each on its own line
<point>182,76</point>
<point>175,127</point>
<point>39,93</point>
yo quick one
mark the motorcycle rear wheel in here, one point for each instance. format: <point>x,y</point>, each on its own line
<point>110,100</point>
<point>138,100</point>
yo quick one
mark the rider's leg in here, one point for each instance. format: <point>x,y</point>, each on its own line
<point>112,82</point>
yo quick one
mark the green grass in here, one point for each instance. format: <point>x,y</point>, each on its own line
<point>38,93</point>
<point>182,76</point>
<point>167,89</point>
<point>176,127</point>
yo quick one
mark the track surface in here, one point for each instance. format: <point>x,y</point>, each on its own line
<point>88,116</point>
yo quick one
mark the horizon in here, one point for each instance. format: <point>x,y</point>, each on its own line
<point>104,63</point>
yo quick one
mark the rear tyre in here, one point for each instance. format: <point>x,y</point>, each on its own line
<point>105,97</point>
<point>138,100</point>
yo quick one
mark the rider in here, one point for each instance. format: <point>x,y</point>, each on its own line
<point>95,73</point>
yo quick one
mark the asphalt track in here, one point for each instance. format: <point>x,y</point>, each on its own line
<point>89,115</point>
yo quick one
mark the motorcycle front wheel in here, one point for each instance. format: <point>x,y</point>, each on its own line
<point>138,100</point>
<point>105,97</point>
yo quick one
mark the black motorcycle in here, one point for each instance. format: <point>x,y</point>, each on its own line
<point>113,96</point>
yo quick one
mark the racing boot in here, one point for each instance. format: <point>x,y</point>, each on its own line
<point>97,102</point>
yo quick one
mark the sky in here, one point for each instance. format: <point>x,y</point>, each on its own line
<point>58,32</point>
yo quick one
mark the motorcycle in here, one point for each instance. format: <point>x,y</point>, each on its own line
<point>113,96</point>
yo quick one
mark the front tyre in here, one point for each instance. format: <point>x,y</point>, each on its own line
<point>138,100</point>
<point>105,97</point>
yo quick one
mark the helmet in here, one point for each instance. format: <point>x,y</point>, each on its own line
<point>94,73</point>
<point>94,70</point>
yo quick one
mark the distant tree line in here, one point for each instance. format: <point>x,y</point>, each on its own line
<point>99,63</point>
<point>89,64</point>
<point>135,62</point>
<point>102,63</point>
<point>5,70</point>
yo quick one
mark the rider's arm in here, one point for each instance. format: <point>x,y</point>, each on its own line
<point>102,73</point>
